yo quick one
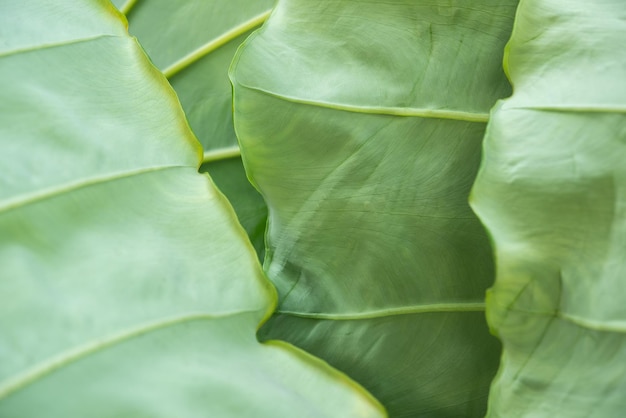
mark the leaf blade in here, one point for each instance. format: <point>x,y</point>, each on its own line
<point>130,289</point>
<point>363,136</point>
<point>550,193</point>
<point>194,52</point>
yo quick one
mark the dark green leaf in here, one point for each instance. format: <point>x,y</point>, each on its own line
<point>361,124</point>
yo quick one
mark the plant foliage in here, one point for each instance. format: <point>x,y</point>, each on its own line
<point>130,287</point>
<point>365,155</point>
<point>551,192</point>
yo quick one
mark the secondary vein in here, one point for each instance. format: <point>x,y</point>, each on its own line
<point>572,108</point>
<point>56,190</point>
<point>384,110</point>
<point>66,42</point>
<point>221,154</point>
<point>127,6</point>
<point>63,359</point>
<point>381,313</point>
<point>214,44</point>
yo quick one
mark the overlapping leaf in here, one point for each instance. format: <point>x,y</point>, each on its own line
<point>127,287</point>
<point>552,192</point>
<point>193,43</point>
<point>361,124</point>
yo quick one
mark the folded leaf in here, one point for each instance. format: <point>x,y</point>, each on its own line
<point>552,192</point>
<point>361,124</point>
<point>193,43</point>
<point>127,287</point>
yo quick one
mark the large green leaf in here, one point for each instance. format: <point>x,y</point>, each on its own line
<point>361,124</point>
<point>193,43</point>
<point>127,287</point>
<point>552,192</point>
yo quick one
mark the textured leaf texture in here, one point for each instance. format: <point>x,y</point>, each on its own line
<point>552,192</point>
<point>361,124</point>
<point>193,43</point>
<point>127,287</point>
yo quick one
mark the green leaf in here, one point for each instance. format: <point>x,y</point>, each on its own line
<point>551,192</point>
<point>193,43</point>
<point>127,286</point>
<point>361,124</point>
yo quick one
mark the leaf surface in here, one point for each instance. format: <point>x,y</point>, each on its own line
<point>551,192</point>
<point>193,43</point>
<point>361,124</point>
<point>127,286</point>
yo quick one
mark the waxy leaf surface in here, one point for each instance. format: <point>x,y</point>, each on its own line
<point>127,287</point>
<point>361,124</point>
<point>193,43</point>
<point>552,193</point>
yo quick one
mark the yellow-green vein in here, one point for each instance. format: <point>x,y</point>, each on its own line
<point>214,44</point>
<point>221,154</point>
<point>404,310</point>
<point>128,6</point>
<point>458,115</point>
<point>21,200</point>
<point>63,359</point>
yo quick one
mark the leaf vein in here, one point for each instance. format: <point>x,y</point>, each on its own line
<point>127,7</point>
<point>458,115</point>
<point>381,313</point>
<point>50,192</point>
<point>572,108</point>
<point>40,47</point>
<point>220,154</point>
<point>214,44</point>
<point>70,356</point>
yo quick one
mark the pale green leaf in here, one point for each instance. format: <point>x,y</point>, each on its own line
<point>361,124</point>
<point>551,191</point>
<point>193,43</point>
<point>127,287</point>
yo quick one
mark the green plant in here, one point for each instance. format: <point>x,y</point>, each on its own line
<point>551,192</point>
<point>130,287</point>
<point>374,151</point>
